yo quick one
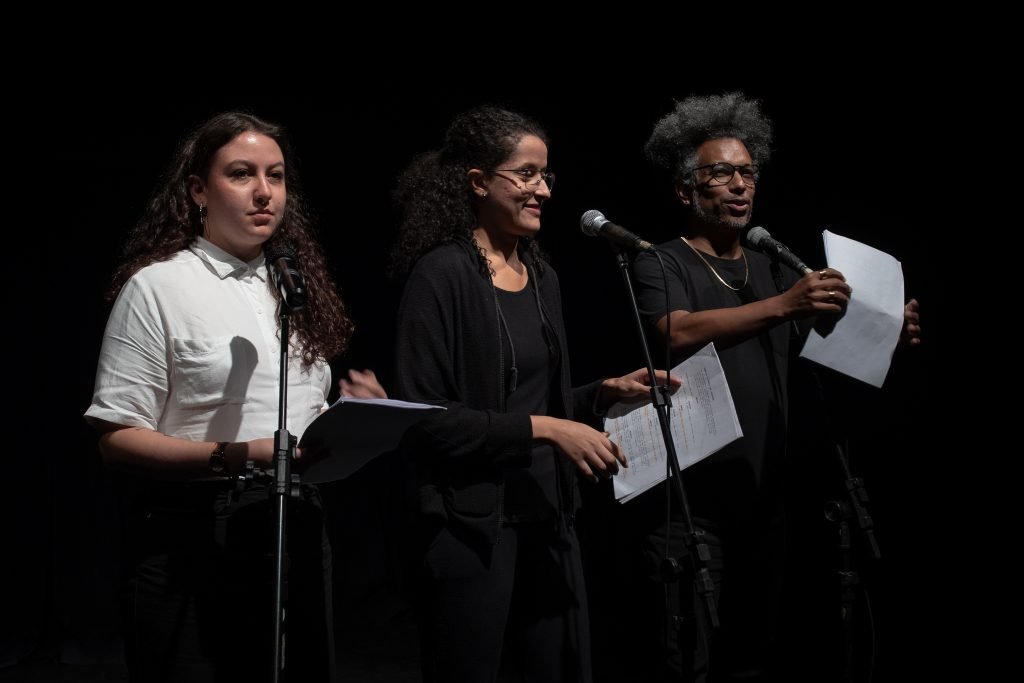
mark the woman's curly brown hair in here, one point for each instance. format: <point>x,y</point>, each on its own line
<point>433,196</point>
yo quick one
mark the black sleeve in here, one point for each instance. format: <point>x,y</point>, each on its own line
<point>583,404</point>
<point>425,371</point>
<point>650,284</point>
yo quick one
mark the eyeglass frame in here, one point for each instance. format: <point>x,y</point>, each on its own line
<point>753,173</point>
<point>547,176</point>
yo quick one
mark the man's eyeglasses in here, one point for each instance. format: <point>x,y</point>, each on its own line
<point>529,178</point>
<point>722,172</point>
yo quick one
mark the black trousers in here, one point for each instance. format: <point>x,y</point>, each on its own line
<point>517,609</point>
<point>198,598</point>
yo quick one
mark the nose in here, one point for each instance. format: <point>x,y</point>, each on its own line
<point>542,190</point>
<point>736,182</point>
<point>262,192</point>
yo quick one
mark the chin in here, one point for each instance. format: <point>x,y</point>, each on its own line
<point>264,233</point>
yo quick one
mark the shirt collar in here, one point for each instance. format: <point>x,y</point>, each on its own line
<point>224,264</point>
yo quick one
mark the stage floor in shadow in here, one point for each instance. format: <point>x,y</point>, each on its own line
<point>367,652</point>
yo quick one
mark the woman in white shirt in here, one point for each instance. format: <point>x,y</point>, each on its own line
<point>187,392</point>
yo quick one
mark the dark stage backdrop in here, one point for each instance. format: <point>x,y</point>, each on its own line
<point>847,157</point>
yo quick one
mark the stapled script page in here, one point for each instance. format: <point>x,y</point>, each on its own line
<point>702,419</point>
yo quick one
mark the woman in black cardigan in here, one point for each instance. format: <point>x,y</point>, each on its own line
<point>480,331</point>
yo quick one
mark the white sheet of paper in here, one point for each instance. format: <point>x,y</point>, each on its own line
<point>354,431</point>
<point>702,419</point>
<point>862,341</point>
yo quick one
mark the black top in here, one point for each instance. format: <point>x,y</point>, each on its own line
<point>530,493</point>
<point>449,351</point>
<point>743,478</point>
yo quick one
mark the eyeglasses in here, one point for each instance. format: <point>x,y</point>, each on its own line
<point>529,178</point>
<point>722,172</point>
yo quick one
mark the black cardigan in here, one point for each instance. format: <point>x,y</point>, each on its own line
<point>449,352</point>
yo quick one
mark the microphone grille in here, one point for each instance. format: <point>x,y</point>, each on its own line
<point>278,250</point>
<point>756,235</point>
<point>591,222</point>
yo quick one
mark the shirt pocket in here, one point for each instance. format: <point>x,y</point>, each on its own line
<point>212,371</point>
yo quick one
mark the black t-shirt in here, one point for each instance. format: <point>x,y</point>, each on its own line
<point>743,478</point>
<point>530,493</point>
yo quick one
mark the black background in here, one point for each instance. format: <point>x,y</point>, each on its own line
<point>848,155</point>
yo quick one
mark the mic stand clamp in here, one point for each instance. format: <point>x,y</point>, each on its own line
<point>858,496</point>
<point>838,512</point>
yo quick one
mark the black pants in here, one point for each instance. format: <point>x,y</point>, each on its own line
<point>521,600</point>
<point>198,602</point>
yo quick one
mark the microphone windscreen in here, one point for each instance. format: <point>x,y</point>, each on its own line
<point>279,250</point>
<point>756,236</point>
<point>591,222</point>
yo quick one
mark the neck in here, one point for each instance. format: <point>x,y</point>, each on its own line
<point>499,249</point>
<point>718,240</point>
<point>241,253</point>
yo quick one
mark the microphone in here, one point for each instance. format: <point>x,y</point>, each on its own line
<point>757,238</point>
<point>594,223</point>
<point>281,263</point>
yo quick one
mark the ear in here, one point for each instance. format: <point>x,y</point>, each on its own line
<point>197,189</point>
<point>685,193</point>
<point>478,181</point>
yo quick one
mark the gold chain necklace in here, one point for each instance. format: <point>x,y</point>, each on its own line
<point>746,266</point>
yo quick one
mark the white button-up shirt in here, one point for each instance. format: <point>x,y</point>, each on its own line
<point>192,350</point>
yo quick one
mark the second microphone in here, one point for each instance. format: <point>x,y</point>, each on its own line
<point>594,223</point>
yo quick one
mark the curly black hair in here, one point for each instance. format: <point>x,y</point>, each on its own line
<point>696,119</point>
<point>171,223</point>
<point>433,195</point>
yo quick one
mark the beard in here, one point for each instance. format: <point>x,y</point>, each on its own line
<point>718,219</point>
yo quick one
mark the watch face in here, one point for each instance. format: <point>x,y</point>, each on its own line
<point>217,462</point>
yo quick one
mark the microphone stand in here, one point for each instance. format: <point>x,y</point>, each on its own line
<point>840,513</point>
<point>283,485</point>
<point>693,539</point>
<point>858,495</point>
